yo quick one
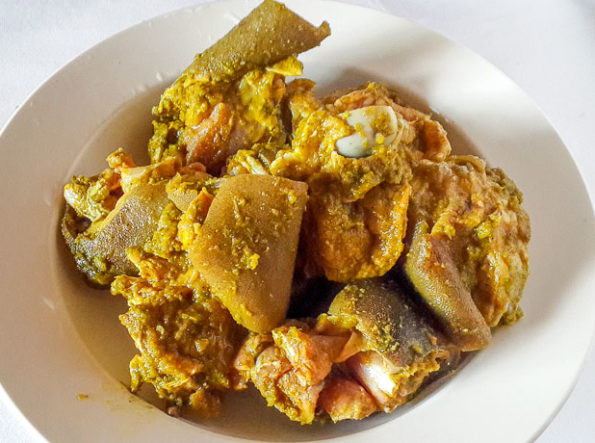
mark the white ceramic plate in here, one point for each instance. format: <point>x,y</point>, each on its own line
<point>60,338</point>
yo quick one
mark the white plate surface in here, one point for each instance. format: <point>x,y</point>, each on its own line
<point>61,339</point>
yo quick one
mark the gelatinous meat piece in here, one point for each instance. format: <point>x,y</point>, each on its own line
<point>270,33</point>
<point>246,248</point>
<point>433,272</point>
<point>400,346</point>
<point>478,231</point>
<point>100,250</point>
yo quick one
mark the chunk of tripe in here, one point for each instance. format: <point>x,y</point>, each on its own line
<point>246,248</point>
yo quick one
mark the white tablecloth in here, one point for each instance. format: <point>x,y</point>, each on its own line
<point>546,46</point>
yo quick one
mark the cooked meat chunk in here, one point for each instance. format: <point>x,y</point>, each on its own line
<point>207,142</point>
<point>186,339</point>
<point>269,34</point>
<point>288,366</point>
<point>400,346</point>
<point>247,246</point>
<point>358,239</point>
<point>139,195</point>
<point>433,272</point>
<point>100,249</point>
<point>357,211</point>
<point>475,218</point>
<point>230,97</point>
<point>370,352</point>
<point>343,398</point>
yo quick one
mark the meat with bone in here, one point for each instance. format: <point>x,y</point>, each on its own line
<point>370,352</point>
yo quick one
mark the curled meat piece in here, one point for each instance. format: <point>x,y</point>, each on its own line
<point>432,271</point>
<point>371,352</point>
<point>99,245</point>
<point>478,232</point>
<point>99,249</point>
<point>401,347</point>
